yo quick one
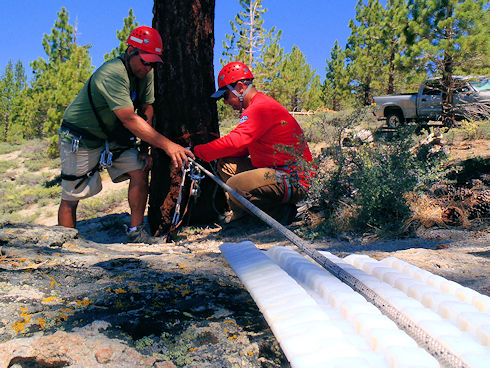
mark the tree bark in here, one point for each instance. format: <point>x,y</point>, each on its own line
<point>184,111</point>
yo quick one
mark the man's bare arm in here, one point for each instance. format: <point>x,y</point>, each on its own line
<point>140,128</point>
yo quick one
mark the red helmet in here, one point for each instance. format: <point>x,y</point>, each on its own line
<point>231,73</point>
<point>148,41</point>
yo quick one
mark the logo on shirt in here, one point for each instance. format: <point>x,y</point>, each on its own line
<point>243,119</point>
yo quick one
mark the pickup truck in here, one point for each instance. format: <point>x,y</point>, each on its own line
<point>471,95</point>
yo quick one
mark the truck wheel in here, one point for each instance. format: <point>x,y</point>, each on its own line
<point>394,119</point>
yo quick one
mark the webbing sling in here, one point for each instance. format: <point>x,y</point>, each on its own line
<point>115,154</point>
<point>77,177</point>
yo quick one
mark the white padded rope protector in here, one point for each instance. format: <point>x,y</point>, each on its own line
<point>302,302</point>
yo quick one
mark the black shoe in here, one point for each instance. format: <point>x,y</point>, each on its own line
<point>140,235</point>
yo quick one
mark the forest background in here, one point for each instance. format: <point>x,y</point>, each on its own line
<point>392,47</point>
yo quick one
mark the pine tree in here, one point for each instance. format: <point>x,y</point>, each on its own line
<point>248,39</point>
<point>268,71</point>
<point>335,90</point>
<point>398,67</point>
<point>298,86</point>
<point>451,36</point>
<point>364,51</point>
<point>7,88</point>
<point>56,44</point>
<point>277,74</point>
<point>58,80</point>
<point>12,84</point>
<point>122,36</point>
<point>188,79</point>
<point>64,81</point>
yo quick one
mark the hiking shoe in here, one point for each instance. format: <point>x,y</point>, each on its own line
<point>140,235</point>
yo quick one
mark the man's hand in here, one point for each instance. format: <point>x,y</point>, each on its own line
<point>145,132</point>
<point>178,154</point>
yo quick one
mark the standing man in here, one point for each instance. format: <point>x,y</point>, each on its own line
<point>258,157</point>
<point>98,131</point>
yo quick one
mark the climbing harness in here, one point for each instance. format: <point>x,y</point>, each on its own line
<point>84,177</point>
<point>437,349</point>
<point>107,156</point>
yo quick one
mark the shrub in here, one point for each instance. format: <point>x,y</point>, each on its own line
<point>365,187</point>
<point>382,175</point>
<point>5,165</point>
<point>94,206</point>
<point>227,125</point>
<point>6,147</point>
<point>318,128</point>
<point>469,130</point>
<point>35,147</point>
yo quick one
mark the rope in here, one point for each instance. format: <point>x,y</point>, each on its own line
<point>422,337</point>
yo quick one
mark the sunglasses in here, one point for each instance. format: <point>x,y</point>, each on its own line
<point>227,93</point>
<point>146,63</point>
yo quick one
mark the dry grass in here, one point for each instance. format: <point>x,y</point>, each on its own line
<point>425,210</point>
<point>341,220</point>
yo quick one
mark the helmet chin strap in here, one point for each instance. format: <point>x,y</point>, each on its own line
<point>241,97</point>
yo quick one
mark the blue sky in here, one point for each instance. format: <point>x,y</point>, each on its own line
<point>312,25</point>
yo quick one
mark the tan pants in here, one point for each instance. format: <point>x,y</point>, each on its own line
<point>262,187</point>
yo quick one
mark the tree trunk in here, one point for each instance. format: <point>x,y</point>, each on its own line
<point>447,76</point>
<point>7,126</point>
<point>366,91</point>
<point>447,91</point>
<point>184,111</point>
<point>391,71</point>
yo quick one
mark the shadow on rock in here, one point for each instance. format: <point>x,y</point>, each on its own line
<point>107,229</point>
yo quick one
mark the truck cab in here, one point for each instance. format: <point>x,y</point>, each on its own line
<point>471,98</point>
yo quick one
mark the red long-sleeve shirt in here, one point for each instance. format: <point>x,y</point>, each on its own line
<point>265,126</point>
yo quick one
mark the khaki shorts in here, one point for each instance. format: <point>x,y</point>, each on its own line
<point>84,160</point>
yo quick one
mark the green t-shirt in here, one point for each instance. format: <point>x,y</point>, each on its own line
<point>112,89</point>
